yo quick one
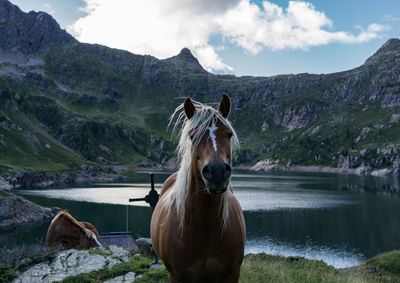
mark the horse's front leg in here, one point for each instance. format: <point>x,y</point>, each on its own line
<point>232,276</point>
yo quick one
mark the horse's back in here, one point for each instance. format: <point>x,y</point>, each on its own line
<point>159,213</point>
<point>55,230</point>
<point>168,184</point>
<point>90,226</point>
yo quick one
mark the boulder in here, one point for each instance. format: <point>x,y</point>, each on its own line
<point>73,262</point>
<point>145,245</point>
<point>15,210</point>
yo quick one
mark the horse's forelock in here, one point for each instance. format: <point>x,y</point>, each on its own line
<point>191,132</point>
<point>89,234</point>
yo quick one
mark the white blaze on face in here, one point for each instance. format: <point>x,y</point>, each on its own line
<point>212,129</point>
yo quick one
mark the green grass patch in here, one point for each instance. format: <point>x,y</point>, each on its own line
<point>268,268</point>
<point>154,276</point>
<point>382,268</point>
<point>100,252</point>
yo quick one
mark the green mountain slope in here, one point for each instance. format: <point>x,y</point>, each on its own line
<point>24,143</point>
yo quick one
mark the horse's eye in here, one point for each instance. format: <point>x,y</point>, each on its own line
<point>230,135</point>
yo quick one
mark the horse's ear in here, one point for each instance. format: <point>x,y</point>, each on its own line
<point>225,106</point>
<point>189,108</point>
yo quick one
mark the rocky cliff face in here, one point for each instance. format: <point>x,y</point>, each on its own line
<point>186,61</point>
<point>31,32</point>
<point>15,210</point>
<point>112,106</point>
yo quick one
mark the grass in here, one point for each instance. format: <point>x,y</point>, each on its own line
<point>100,252</point>
<point>268,268</point>
<point>255,268</point>
<point>28,145</point>
<point>382,268</point>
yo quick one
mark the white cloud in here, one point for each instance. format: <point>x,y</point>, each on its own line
<point>49,9</point>
<point>299,26</point>
<point>163,27</point>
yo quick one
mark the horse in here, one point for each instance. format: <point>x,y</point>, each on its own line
<point>67,232</point>
<point>197,227</point>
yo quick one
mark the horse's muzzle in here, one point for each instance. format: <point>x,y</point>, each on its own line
<point>216,176</point>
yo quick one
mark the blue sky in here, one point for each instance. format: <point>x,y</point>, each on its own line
<point>240,37</point>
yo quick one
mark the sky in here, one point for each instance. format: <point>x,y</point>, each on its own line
<point>239,37</point>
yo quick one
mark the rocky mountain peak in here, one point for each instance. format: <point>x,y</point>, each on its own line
<point>186,60</point>
<point>186,53</point>
<point>391,44</point>
<point>29,32</point>
<point>390,48</point>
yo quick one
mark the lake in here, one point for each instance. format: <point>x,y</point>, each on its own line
<point>340,219</point>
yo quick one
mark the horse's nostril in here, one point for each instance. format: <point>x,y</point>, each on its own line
<point>228,171</point>
<point>207,172</point>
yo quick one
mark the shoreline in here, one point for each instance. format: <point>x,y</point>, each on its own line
<point>270,166</point>
<point>115,173</point>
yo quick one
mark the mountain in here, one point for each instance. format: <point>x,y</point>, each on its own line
<point>95,104</point>
<point>31,32</point>
<point>186,61</point>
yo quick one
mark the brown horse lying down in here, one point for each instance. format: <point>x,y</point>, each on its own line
<point>67,232</point>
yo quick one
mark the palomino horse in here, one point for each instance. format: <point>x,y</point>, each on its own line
<point>197,227</point>
<point>66,231</point>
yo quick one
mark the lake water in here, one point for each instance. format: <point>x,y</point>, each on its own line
<point>340,219</point>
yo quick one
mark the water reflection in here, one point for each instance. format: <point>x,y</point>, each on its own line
<point>105,217</point>
<point>112,195</point>
<point>338,257</point>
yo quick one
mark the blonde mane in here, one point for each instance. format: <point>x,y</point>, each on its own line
<point>191,133</point>
<point>68,217</point>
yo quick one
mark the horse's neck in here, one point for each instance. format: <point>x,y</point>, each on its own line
<point>202,209</point>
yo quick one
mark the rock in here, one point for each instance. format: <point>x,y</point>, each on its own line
<point>29,32</point>
<point>4,184</point>
<point>73,262</point>
<point>268,165</point>
<point>394,119</point>
<point>381,172</point>
<point>265,126</point>
<point>119,252</point>
<point>364,132</point>
<point>15,210</point>
<point>145,164</point>
<point>363,170</point>
<point>145,245</point>
<point>55,210</point>
<point>129,277</point>
<point>187,61</point>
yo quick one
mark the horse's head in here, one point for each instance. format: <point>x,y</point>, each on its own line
<point>88,239</point>
<point>211,155</point>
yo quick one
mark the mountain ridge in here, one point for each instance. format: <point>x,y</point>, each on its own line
<point>29,32</point>
<point>187,61</point>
